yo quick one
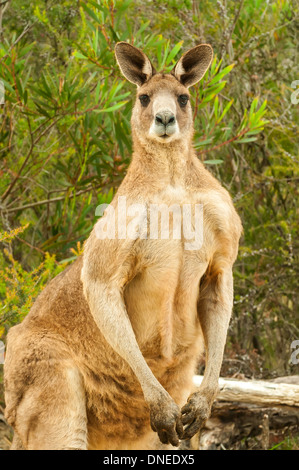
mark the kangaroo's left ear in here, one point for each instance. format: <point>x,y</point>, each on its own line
<point>193,65</point>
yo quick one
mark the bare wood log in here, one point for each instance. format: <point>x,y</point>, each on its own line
<point>250,414</point>
<point>241,425</point>
<point>255,391</point>
<point>288,379</point>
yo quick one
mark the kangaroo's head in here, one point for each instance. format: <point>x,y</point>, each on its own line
<point>162,111</point>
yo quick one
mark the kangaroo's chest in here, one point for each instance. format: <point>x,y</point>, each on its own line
<point>172,254</point>
<point>162,298</point>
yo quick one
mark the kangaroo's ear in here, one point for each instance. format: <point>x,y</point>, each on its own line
<point>193,64</point>
<point>133,63</point>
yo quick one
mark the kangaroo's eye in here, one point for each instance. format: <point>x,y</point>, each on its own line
<point>144,100</point>
<point>183,100</point>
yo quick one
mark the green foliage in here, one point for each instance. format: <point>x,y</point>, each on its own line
<point>12,234</point>
<point>65,144</point>
<point>19,288</point>
<point>289,443</point>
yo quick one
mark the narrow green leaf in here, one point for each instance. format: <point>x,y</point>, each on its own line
<point>221,74</point>
<point>253,106</point>
<point>245,140</point>
<point>174,51</point>
<point>90,12</point>
<point>216,107</point>
<point>97,5</point>
<point>226,109</point>
<point>213,162</point>
<point>142,28</point>
<point>209,97</point>
<point>111,108</point>
<point>261,111</point>
<point>97,92</point>
<point>79,55</point>
<point>7,86</point>
<point>254,131</point>
<point>201,143</point>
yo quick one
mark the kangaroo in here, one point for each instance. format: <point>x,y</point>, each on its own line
<point>105,357</point>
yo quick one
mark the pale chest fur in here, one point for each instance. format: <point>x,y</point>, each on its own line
<point>172,258</point>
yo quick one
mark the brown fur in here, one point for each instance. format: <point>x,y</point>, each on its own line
<point>107,353</point>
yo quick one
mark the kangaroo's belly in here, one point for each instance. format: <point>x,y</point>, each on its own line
<point>162,298</point>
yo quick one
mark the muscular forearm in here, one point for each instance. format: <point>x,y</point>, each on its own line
<point>109,312</point>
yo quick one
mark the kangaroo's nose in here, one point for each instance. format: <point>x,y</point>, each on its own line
<point>165,117</point>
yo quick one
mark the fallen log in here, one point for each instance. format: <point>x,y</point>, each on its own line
<point>255,391</point>
<point>250,414</point>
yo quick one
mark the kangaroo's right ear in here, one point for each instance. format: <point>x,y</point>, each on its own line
<point>193,65</point>
<point>133,63</point>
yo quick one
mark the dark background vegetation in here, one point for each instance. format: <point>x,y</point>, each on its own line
<point>65,145</point>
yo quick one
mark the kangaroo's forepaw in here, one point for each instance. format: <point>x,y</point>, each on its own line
<point>165,418</point>
<point>195,413</point>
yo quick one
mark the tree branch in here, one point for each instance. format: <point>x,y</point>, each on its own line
<point>3,6</point>
<point>27,28</point>
<point>232,28</point>
<point>32,144</point>
<point>56,199</point>
<point>224,143</point>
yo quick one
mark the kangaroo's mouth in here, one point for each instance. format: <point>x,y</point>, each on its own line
<point>165,134</point>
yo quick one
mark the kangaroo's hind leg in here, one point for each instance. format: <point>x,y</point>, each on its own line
<point>51,413</point>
